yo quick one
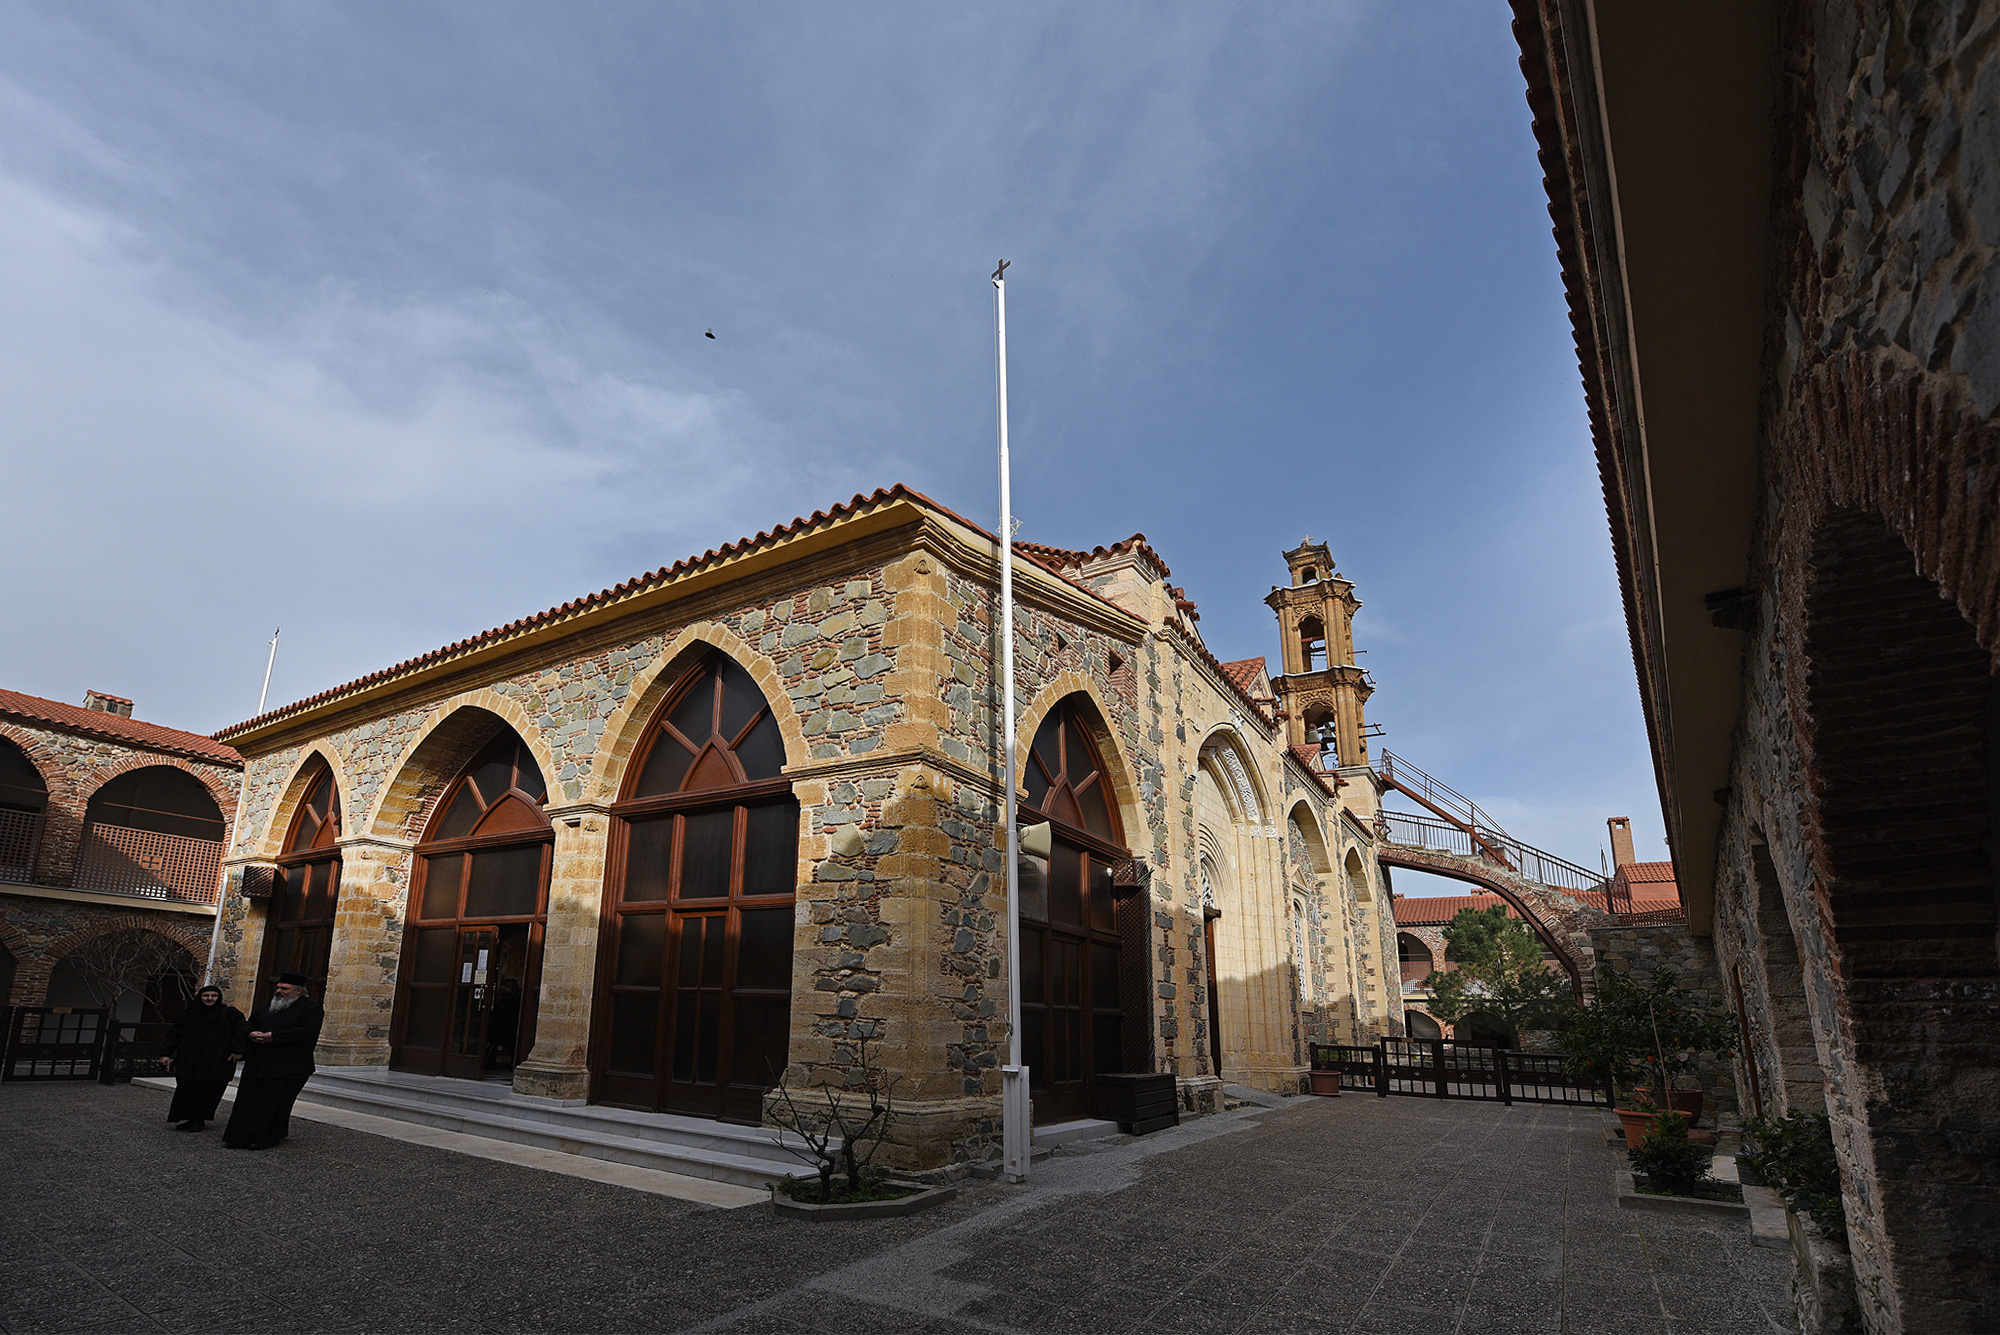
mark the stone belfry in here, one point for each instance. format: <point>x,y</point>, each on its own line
<point>1322,692</point>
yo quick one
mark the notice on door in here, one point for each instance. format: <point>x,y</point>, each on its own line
<point>466,977</point>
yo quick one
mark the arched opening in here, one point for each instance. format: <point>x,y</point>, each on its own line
<point>1480,1027</point>
<point>155,832</point>
<point>1414,957</point>
<point>472,951</point>
<point>1357,878</point>
<point>23,797</point>
<point>1210,915</point>
<point>1902,805</point>
<point>1787,1052</point>
<point>298,933</point>
<point>140,976</point>
<point>1419,1025</point>
<point>695,992</point>
<point>1079,1017</point>
<point>1312,645</point>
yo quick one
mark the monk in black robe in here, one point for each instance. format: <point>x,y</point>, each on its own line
<point>277,1062</point>
<point>201,1050</point>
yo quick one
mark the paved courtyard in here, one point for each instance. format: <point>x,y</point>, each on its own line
<point>1357,1214</point>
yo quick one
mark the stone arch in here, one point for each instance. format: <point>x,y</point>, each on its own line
<point>1414,957</point>
<point>62,811</point>
<point>1223,749</point>
<point>186,938</point>
<point>1321,861</point>
<point>1579,966</point>
<point>1096,716</point>
<point>224,794</point>
<point>441,746</point>
<point>271,840</point>
<point>29,964</point>
<point>627,724</point>
<point>1358,883</point>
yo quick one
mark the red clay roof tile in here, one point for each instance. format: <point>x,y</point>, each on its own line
<point>115,728</point>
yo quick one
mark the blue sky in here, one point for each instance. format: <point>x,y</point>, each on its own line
<point>384,323</point>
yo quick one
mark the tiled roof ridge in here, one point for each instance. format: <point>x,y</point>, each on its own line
<point>687,565</point>
<point>1071,556</point>
<point>1201,651</point>
<point>1243,671</point>
<point>115,727</point>
<point>1308,757</point>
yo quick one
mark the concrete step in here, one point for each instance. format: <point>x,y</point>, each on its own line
<point>1263,1098</point>
<point>1068,1133</point>
<point>748,1156</point>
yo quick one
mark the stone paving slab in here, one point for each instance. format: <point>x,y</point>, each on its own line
<point>1354,1215</point>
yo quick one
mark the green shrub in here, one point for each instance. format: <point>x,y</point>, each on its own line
<point>1794,1156</point>
<point>1668,1160</point>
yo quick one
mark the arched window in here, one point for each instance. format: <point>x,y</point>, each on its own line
<point>154,832</point>
<point>22,798</point>
<point>298,933</point>
<point>1312,644</point>
<point>471,967</point>
<point>695,995</point>
<point>1414,956</point>
<point>1073,999</point>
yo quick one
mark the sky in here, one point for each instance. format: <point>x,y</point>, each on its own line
<point>384,323</point>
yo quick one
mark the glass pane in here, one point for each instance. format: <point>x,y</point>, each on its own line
<point>1067,1057</point>
<point>762,753</point>
<point>762,1041</point>
<point>291,892</point>
<point>1034,1045</point>
<point>1066,974</point>
<point>1046,748</point>
<point>711,836</point>
<point>708,1037</point>
<point>1032,946</point>
<point>711,953</point>
<point>686,1018</point>
<point>1034,876</point>
<point>740,698</point>
<point>1106,1032</point>
<point>764,950</point>
<point>496,776</point>
<point>642,949</point>
<point>528,778</point>
<point>319,891</point>
<point>437,950</point>
<point>1104,976</point>
<point>1037,786</point>
<point>1096,818</point>
<point>689,973</point>
<point>649,858</point>
<point>504,883</point>
<point>1100,894</point>
<point>694,716</point>
<point>634,1027</point>
<point>666,766</point>
<point>771,849</point>
<point>441,877</point>
<point>424,1027</point>
<point>460,817</point>
<point>1066,886</point>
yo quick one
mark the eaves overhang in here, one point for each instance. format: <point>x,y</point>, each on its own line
<point>1655,125</point>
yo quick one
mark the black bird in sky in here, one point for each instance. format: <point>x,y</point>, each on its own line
<point>709,333</point>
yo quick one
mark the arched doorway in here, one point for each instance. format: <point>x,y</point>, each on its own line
<point>1414,957</point>
<point>1210,914</point>
<point>154,832</point>
<point>695,984</point>
<point>471,963</point>
<point>1419,1024</point>
<point>1073,1006</point>
<point>298,933</point>
<point>22,799</point>
<point>141,976</point>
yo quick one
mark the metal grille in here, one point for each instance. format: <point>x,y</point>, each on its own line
<point>121,861</point>
<point>54,1043</point>
<point>1435,1068</point>
<point>17,844</point>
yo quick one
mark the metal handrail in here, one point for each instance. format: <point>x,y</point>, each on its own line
<point>1445,836</point>
<point>1400,773</point>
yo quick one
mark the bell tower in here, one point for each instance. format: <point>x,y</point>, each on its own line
<point>1321,690</point>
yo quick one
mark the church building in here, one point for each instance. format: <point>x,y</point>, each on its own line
<point>716,827</point>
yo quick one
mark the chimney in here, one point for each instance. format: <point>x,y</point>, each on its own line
<point>100,703</point>
<point>1621,841</point>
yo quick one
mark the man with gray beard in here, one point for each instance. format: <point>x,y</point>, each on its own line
<point>277,1062</point>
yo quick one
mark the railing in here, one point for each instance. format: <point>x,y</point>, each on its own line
<point>1449,802</point>
<point>1446,1069</point>
<point>17,844</point>
<point>144,863</point>
<point>1444,836</point>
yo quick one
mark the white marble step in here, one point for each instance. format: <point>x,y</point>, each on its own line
<point>1068,1133</point>
<point>749,1156</point>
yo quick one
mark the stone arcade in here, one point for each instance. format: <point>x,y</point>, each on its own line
<point>722,822</point>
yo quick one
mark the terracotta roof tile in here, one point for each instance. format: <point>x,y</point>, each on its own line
<point>1309,757</point>
<point>880,496</point>
<point>1067,557</point>
<point>114,728</point>
<point>1244,672</point>
<point>1638,872</point>
<point>1436,912</point>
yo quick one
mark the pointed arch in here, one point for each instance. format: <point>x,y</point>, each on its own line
<point>1224,750</point>
<point>436,751</point>
<point>271,839</point>
<point>626,728</point>
<point>1319,861</point>
<point>1095,714</point>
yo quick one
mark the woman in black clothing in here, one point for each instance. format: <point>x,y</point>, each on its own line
<point>201,1049</point>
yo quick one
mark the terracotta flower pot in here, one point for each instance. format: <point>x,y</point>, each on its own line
<point>1326,1083</point>
<point>1636,1124</point>
<point>1684,1101</point>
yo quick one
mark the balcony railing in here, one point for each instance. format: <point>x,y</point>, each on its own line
<point>148,865</point>
<point>17,844</point>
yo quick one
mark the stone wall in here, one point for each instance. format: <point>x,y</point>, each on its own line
<point>1637,951</point>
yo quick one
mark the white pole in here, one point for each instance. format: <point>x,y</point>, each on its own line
<point>269,663</point>
<point>1015,1109</point>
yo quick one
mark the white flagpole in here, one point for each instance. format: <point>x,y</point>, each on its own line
<point>1016,1131</point>
<point>269,663</point>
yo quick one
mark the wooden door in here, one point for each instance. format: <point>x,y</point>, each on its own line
<point>472,1001</point>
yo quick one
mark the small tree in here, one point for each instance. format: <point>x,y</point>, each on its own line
<point>120,962</point>
<point>1635,1031</point>
<point>845,1133</point>
<point>1499,969</point>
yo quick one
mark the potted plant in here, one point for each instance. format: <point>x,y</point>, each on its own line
<point>1641,1038</point>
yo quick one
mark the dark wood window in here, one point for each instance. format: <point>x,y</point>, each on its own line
<point>471,966</point>
<point>298,933</point>
<point>694,1004</point>
<point>1073,1002</point>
